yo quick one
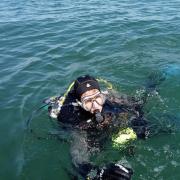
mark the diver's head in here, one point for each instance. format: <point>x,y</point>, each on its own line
<point>92,101</point>
<point>89,94</point>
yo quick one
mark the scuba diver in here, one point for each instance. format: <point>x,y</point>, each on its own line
<point>92,116</point>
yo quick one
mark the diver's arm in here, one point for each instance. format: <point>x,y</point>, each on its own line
<point>131,114</point>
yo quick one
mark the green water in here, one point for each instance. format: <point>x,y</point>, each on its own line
<point>44,45</point>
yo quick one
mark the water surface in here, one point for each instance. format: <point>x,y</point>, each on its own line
<point>44,45</point>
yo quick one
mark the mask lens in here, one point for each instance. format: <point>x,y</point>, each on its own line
<point>87,105</point>
<point>99,99</point>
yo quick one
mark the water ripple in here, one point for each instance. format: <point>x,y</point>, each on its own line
<point>44,45</point>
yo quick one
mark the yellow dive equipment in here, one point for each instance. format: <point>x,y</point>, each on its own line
<point>107,84</point>
<point>123,137</point>
<point>66,93</point>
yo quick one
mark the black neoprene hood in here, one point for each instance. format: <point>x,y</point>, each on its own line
<point>85,83</point>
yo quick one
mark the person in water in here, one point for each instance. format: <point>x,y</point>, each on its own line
<point>92,117</point>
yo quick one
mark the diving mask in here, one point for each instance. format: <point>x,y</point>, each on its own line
<point>87,102</point>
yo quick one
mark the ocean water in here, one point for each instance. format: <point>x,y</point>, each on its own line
<point>45,45</point>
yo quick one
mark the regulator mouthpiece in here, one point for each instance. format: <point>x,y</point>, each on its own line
<point>99,117</point>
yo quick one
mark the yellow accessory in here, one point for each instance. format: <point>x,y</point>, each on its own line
<point>123,137</point>
<point>108,84</point>
<point>62,99</point>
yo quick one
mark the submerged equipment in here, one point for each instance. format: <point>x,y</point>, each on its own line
<point>123,137</point>
<point>110,171</point>
<point>115,172</point>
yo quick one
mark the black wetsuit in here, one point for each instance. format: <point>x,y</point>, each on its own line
<point>89,135</point>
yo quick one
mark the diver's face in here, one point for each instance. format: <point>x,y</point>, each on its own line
<point>92,100</point>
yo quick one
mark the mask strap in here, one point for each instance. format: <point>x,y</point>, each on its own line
<point>87,97</point>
